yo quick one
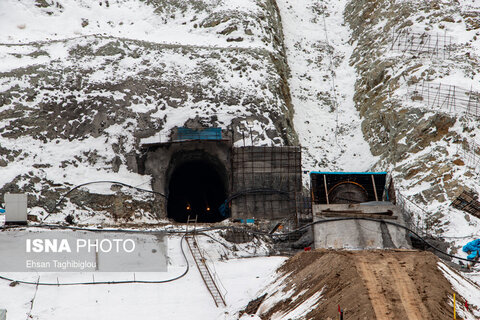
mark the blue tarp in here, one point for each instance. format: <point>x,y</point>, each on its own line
<point>2,210</point>
<point>369,173</point>
<point>201,134</point>
<point>473,247</point>
<point>224,211</point>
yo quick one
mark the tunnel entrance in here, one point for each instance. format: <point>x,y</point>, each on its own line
<point>347,192</point>
<point>197,187</point>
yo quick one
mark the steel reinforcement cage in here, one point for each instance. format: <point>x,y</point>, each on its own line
<point>268,181</point>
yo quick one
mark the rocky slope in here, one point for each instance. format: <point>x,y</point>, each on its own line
<point>82,98</point>
<point>78,91</point>
<point>419,134</point>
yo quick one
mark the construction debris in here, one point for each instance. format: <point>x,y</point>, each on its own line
<point>467,201</point>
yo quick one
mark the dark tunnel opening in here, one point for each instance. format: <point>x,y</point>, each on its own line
<point>196,188</point>
<point>348,192</point>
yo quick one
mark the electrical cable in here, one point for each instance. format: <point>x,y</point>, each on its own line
<point>108,282</point>
<point>235,195</point>
<point>258,190</point>
<point>261,233</point>
<point>387,222</point>
<point>217,228</point>
<point>238,194</point>
<point>223,206</point>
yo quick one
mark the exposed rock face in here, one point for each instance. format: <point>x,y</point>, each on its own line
<point>418,142</point>
<point>75,107</point>
<point>83,104</point>
<point>104,82</point>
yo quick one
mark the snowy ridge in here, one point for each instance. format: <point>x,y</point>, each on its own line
<point>322,86</point>
<point>154,21</point>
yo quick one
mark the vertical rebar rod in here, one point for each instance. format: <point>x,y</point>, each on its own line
<point>469,99</point>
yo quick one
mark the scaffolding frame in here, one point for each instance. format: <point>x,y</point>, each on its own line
<point>467,201</point>
<point>275,172</point>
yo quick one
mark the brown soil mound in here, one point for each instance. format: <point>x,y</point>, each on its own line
<point>377,284</point>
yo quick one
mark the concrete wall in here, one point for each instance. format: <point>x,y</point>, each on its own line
<point>358,234</point>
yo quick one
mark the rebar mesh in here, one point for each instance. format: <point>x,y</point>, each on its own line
<point>449,98</point>
<point>434,45</point>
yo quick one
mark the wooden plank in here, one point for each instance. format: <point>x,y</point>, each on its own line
<point>326,189</point>
<point>342,211</point>
<point>384,213</point>
<point>365,215</point>
<point>374,188</point>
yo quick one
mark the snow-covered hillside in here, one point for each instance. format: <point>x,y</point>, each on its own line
<point>360,84</point>
<point>400,46</point>
<point>201,22</point>
<point>81,83</point>
<point>322,83</point>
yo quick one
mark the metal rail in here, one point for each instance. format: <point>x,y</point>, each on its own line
<point>205,272</point>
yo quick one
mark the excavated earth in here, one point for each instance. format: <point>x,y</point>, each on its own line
<point>377,284</point>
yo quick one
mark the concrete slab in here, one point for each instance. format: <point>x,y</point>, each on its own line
<point>357,233</point>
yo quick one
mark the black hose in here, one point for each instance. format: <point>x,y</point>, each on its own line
<point>230,198</point>
<point>223,209</point>
<point>343,219</point>
<point>109,282</point>
<point>382,221</point>
<point>261,232</point>
<point>215,228</point>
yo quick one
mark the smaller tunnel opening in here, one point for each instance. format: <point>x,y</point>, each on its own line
<point>347,192</point>
<point>196,188</point>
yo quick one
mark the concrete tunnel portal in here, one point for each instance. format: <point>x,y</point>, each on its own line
<point>197,176</point>
<point>197,186</point>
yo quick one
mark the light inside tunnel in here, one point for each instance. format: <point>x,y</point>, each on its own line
<point>196,188</point>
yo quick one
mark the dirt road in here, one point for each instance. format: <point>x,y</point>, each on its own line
<point>392,292</point>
